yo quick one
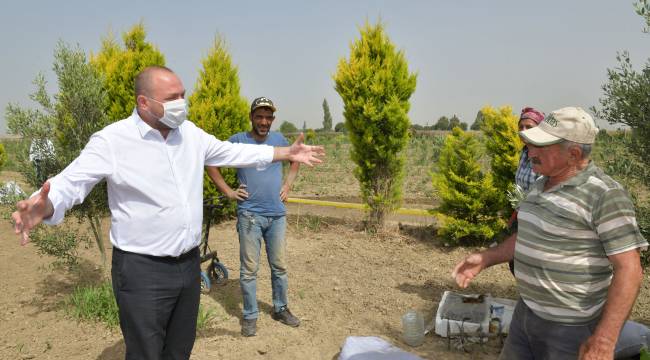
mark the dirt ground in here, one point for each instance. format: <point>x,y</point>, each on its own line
<point>342,282</point>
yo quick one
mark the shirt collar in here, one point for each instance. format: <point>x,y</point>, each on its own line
<point>144,128</point>
<point>579,178</point>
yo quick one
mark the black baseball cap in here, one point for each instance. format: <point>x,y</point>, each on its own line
<point>262,102</point>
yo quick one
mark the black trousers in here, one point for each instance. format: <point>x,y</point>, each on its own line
<point>158,299</point>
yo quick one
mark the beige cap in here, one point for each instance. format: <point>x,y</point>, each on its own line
<point>569,123</point>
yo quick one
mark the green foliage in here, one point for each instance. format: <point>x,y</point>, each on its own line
<point>442,123</point>
<point>470,203</point>
<point>642,8</point>
<point>625,99</point>
<point>32,125</point>
<point>327,116</point>
<point>13,149</point>
<point>454,122</point>
<point>340,127</point>
<point>375,86</point>
<point>204,317</point>
<point>503,146</point>
<point>476,125</point>
<point>3,156</point>
<point>310,136</point>
<point>120,64</point>
<point>644,354</point>
<point>217,107</point>
<point>60,242</point>
<point>76,113</point>
<point>94,303</point>
<point>288,128</point>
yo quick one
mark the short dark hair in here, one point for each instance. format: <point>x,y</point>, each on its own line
<point>143,79</point>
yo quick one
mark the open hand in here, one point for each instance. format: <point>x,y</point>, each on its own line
<point>31,212</point>
<point>467,269</point>
<point>306,154</point>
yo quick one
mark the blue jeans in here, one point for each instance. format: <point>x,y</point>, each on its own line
<point>252,229</point>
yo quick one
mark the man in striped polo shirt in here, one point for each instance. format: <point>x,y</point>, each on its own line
<point>576,251</point>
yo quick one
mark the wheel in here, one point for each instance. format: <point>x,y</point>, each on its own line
<point>205,282</point>
<point>218,272</point>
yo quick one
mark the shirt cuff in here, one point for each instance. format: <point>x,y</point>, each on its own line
<point>59,209</point>
<point>266,157</point>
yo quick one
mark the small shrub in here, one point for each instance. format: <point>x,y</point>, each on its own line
<point>94,303</point>
<point>3,156</point>
<point>60,242</point>
<point>470,203</point>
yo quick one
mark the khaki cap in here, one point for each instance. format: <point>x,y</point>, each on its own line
<point>569,123</point>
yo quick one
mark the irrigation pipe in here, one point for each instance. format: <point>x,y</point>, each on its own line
<point>346,205</point>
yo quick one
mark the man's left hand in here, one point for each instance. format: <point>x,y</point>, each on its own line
<point>284,193</point>
<point>597,348</point>
<point>305,154</point>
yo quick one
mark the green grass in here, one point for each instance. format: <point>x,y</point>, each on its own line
<point>206,315</point>
<point>94,303</point>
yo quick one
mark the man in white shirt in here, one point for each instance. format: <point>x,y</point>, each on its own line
<point>153,164</point>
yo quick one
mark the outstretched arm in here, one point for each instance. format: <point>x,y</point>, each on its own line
<point>240,194</point>
<point>31,212</point>
<point>299,152</point>
<point>473,264</point>
<point>288,182</point>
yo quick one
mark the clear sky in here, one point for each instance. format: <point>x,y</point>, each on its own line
<point>467,54</point>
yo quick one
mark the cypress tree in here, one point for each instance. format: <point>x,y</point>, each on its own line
<point>119,65</point>
<point>327,116</point>
<point>375,86</point>
<point>469,208</point>
<point>503,146</point>
<point>217,107</point>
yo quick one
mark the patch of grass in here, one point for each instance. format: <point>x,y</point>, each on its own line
<point>206,315</point>
<point>301,294</point>
<point>94,303</point>
<point>311,223</point>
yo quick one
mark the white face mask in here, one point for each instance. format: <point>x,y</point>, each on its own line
<point>175,112</point>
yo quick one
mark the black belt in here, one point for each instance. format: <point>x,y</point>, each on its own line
<point>184,256</point>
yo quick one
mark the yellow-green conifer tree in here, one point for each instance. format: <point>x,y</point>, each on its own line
<point>375,86</point>
<point>119,65</point>
<point>217,107</point>
<point>503,146</point>
<point>469,207</point>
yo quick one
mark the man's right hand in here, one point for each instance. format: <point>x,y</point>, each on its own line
<point>467,269</point>
<point>240,194</point>
<point>31,212</point>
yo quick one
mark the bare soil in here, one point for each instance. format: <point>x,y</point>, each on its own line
<point>342,282</point>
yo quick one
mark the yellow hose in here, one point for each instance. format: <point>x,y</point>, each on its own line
<point>346,205</point>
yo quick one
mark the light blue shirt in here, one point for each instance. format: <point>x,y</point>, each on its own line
<point>263,186</point>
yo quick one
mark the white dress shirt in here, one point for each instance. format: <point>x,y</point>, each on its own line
<point>155,185</point>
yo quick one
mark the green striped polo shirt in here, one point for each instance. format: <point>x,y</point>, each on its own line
<point>564,237</point>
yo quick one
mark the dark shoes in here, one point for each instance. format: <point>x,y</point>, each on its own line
<point>248,327</point>
<point>286,317</point>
